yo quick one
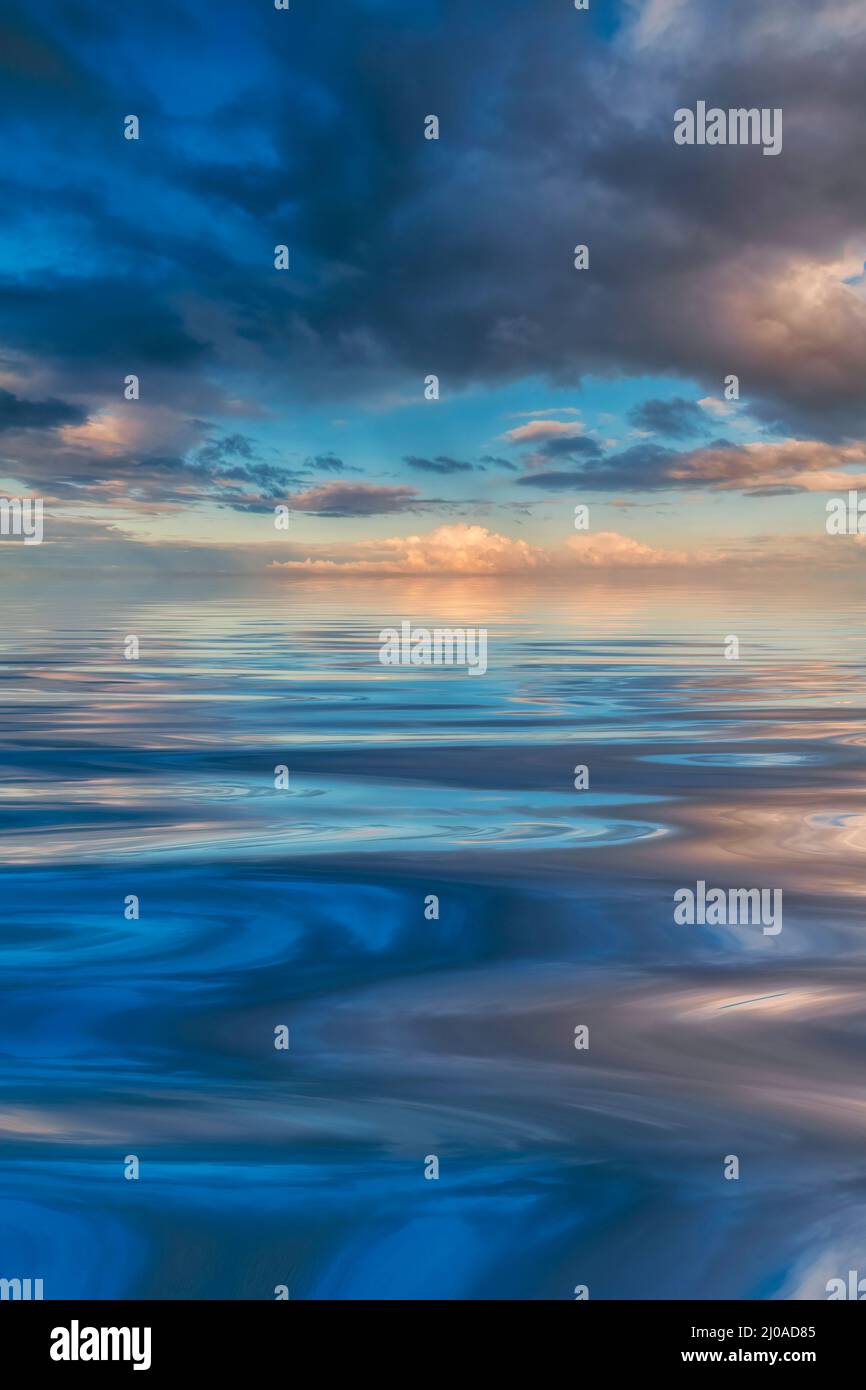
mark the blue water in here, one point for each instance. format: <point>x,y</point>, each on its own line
<point>411,1037</point>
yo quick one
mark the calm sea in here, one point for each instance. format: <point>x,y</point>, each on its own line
<point>415,1036</point>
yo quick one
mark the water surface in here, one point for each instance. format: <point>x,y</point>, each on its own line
<point>413,1037</point>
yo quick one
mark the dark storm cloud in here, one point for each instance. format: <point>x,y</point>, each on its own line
<point>218,451</point>
<point>411,256</point>
<point>355,499</point>
<point>499,462</point>
<point>643,467</point>
<point>233,463</point>
<point>94,318</point>
<point>440,464</point>
<point>703,261</point>
<point>677,418</point>
<point>224,470</point>
<point>767,468</point>
<point>327,463</point>
<point>18,414</point>
<point>774,491</point>
<point>569,446</point>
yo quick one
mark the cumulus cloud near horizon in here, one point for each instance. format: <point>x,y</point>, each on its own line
<point>470,549</point>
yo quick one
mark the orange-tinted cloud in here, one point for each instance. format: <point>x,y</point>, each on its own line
<point>807,464</point>
<point>464,549</point>
<point>537,430</point>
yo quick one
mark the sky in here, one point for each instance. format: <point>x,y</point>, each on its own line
<point>410,257</point>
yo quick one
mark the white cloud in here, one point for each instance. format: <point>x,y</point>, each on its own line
<point>715,406</point>
<point>463,549</point>
<point>610,548</point>
<point>542,429</point>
